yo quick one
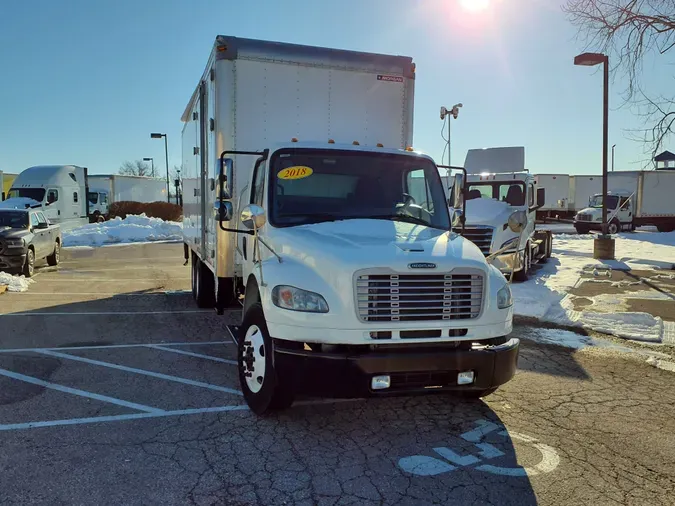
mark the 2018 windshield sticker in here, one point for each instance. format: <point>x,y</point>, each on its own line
<point>298,172</point>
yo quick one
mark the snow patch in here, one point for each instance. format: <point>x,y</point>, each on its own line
<point>544,295</point>
<point>666,365</point>
<point>132,229</point>
<point>569,339</point>
<point>19,203</point>
<point>15,283</point>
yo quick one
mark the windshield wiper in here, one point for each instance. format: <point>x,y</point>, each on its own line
<point>406,218</point>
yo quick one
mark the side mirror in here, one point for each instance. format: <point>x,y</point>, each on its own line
<point>541,197</point>
<point>518,221</point>
<point>253,217</point>
<point>225,178</point>
<point>223,210</point>
<point>43,225</point>
<point>458,191</point>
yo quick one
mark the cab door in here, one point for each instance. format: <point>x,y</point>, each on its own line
<point>625,212</point>
<point>52,205</point>
<point>39,239</point>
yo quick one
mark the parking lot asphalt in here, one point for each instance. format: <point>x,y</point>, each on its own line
<point>116,389</point>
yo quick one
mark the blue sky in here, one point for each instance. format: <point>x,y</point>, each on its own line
<point>86,81</point>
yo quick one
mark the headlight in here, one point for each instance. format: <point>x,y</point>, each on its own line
<point>14,243</point>
<point>504,297</point>
<point>295,299</point>
<point>513,242</point>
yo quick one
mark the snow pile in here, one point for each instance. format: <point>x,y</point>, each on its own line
<point>18,203</point>
<point>128,230</point>
<point>568,339</point>
<point>14,283</point>
<point>544,295</point>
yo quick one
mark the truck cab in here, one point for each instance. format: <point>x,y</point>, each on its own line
<point>620,211</point>
<point>501,206</point>
<point>98,205</point>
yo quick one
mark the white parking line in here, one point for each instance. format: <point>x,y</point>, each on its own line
<point>105,346</point>
<point>107,313</point>
<point>115,294</point>
<point>113,418</point>
<point>81,393</point>
<point>191,354</point>
<point>65,277</point>
<point>167,377</point>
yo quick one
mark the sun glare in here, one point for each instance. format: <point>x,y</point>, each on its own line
<point>474,5</point>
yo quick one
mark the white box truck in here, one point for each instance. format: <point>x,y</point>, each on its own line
<point>304,202</point>
<point>557,195</point>
<point>106,189</point>
<point>582,188</point>
<point>634,199</point>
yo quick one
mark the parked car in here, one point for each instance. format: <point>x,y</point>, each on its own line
<point>26,236</point>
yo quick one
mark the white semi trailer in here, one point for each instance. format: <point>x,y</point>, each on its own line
<point>304,202</point>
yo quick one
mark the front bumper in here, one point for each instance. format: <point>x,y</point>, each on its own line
<point>412,368</point>
<point>590,225</point>
<point>509,261</point>
<point>12,261</point>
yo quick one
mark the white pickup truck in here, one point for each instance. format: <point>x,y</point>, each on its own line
<point>340,249</point>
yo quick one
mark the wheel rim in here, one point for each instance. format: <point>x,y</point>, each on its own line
<point>57,253</point>
<point>253,359</point>
<point>612,229</point>
<point>31,262</point>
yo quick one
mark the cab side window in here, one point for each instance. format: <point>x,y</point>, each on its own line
<point>624,204</point>
<point>75,197</point>
<point>42,218</point>
<point>530,195</point>
<point>52,196</point>
<point>33,220</point>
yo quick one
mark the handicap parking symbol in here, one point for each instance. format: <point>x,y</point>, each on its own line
<point>423,465</point>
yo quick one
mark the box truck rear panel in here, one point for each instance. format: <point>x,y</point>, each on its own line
<point>657,195</point>
<point>582,188</point>
<point>557,191</point>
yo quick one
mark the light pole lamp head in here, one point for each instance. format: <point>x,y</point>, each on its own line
<point>156,135</point>
<point>590,59</point>
<point>147,159</point>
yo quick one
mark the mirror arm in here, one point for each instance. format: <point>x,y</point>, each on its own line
<point>270,248</point>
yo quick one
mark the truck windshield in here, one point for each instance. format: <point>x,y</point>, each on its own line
<point>29,193</point>
<point>612,201</point>
<point>513,192</point>
<point>93,197</point>
<point>14,219</point>
<point>312,186</point>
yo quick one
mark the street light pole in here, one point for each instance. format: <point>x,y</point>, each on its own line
<point>166,157</point>
<point>604,245</point>
<point>613,146</point>
<point>454,111</point>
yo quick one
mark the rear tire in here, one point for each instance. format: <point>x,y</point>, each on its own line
<point>29,266</point>
<point>665,227</point>
<point>263,390</point>
<point>54,259</point>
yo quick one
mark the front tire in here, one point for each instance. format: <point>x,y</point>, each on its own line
<point>522,275</point>
<point>54,259</point>
<point>263,390</point>
<point>581,229</point>
<point>29,266</point>
<point>613,227</point>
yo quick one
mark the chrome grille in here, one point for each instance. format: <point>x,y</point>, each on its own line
<point>584,217</point>
<point>418,297</point>
<point>480,236</point>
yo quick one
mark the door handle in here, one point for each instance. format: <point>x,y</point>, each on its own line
<point>243,246</point>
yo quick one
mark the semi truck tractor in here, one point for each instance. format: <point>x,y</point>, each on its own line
<point>307,210</point>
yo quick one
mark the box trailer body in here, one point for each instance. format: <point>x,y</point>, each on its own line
<point>582,188</point>
<point>60,190</point>
<point>6,181</point>
<point>287,151</point>
<point>635,199</point>
<point>106,189</point>
<point>557,194</point>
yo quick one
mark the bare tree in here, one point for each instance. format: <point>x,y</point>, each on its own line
<point>628,31</point>
<point>135,168</point>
